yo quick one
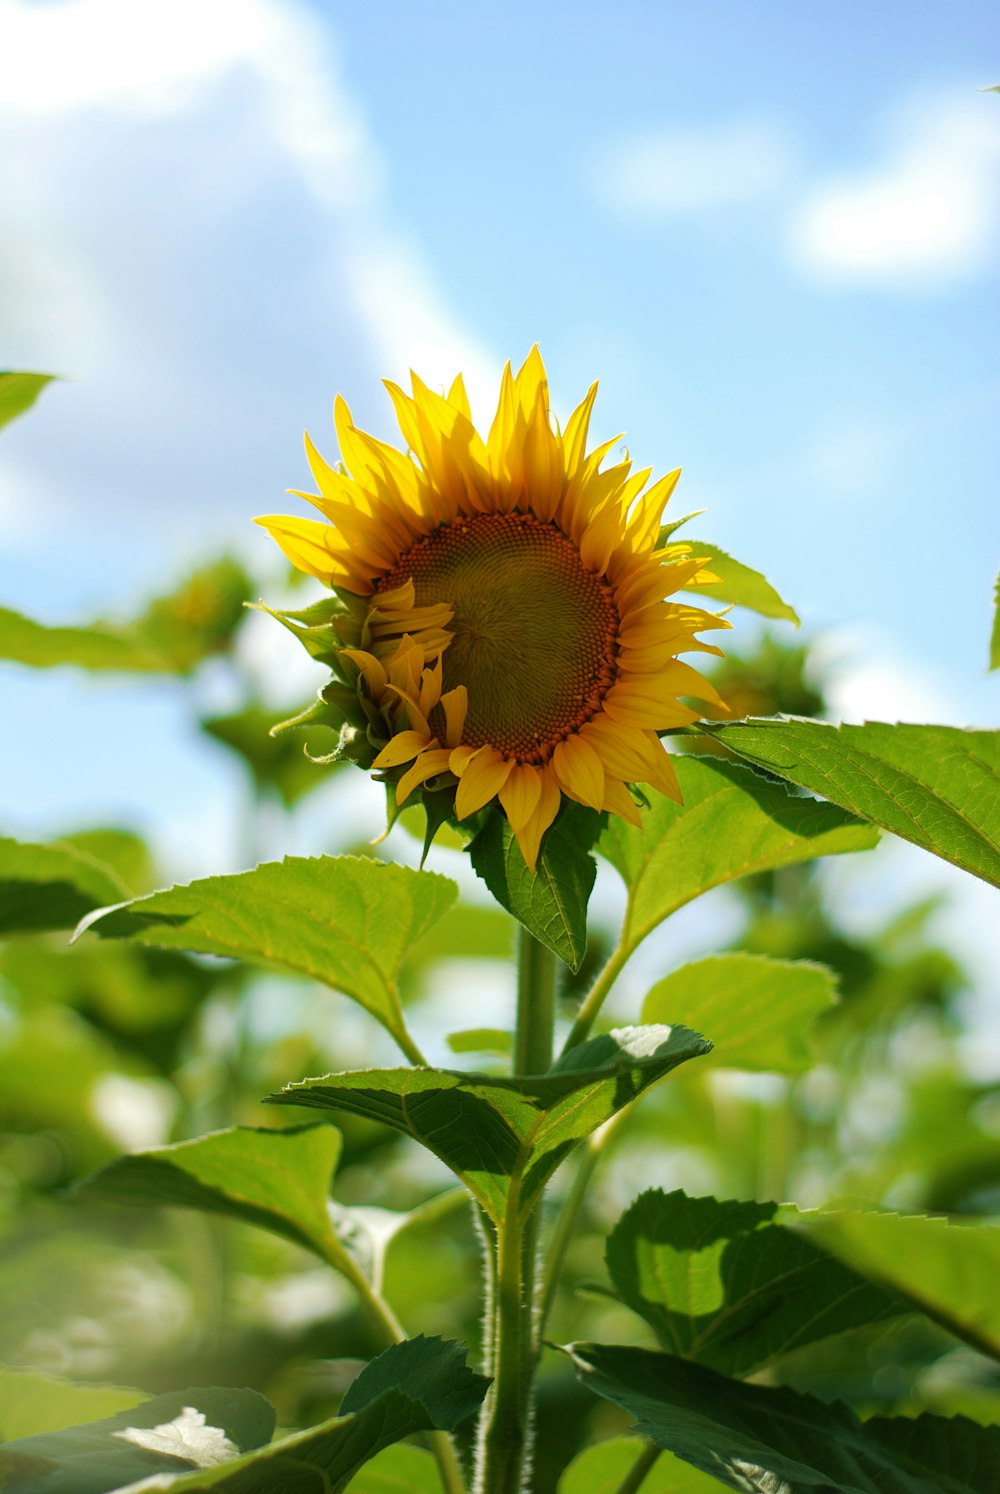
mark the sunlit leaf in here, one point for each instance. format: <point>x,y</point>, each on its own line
<point>949,1270</point>
<point>727,1285</point>
<point>490,1130</point>
<point>343,920</point>
<point>732,823</point>
<point>552,902</point>
<point>602,1469</point>
<point>51,886</point>
<point>765,1439</point>
<point>398,1470</point>
<point>758,1011</point>
<point>741,585</point>
<point>938,786</point>
<point>18,392</point>
<point>31,1402</point>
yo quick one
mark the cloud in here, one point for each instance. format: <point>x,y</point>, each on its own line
<point>924,214</point>
<point>688,171</point>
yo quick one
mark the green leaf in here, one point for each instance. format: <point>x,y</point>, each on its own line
<point>491,1130</point>
<point>948,1270</point>
<point>106,1454</point>
<point>727,1285</point>
<point>18,392</point>
<point>771,1440</point>
<point>343,920</point>
<point>51,886</point>
<point>741,585</point>
<point>276,762</point>
<point>602,1469</point>
<point>552,903</point>
<point>481,1040</point>
<point>938,786</point>
<point>732,823</point>
<point>398,1470</point>
<point>995,635</point>
<point>758,1010</point>
<point>172,635</point>
<point>279,1180</point>
<point>31,1402</point>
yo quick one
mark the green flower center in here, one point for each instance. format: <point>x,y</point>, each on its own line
<point>533,631</point>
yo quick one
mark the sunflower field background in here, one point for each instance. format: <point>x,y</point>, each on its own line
<point>771,1264</point>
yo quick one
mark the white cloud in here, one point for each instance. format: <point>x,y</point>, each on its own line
<point>925,213</point>
<point>674,172</point>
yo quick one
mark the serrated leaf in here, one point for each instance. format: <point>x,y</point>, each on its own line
<point>279,1180</point>
<point>766,1440</point>
<point>995,635</point>
<point>31,1402</point>
<point>948,1270</point>
<point>938,786</point>
<point>552,902</point>
<point>95,1457</point>
<point>398,1470</point>
<point>491,1130</point>
<point>342,920</point>
<point>731,823</point>
<point>728,1285</point>
<point>741,585</point>
<point>18,392</point>
<point>51,886</point>
<point>758,1011</point>
<point>603,1469</point>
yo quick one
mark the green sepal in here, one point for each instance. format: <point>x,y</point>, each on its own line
<point>314,629</point>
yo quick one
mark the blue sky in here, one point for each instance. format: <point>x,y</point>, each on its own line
<point>771,231</point>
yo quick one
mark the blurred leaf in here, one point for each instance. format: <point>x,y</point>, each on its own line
<point>279,1180</point>
<point>489,1130</point>
<point>277,762</point>
<point>124,851</point>
<point>18,392</point>
<point>742,586</point>
<point>758,1011</point>
<point>602,1469</point>
<point>402,1469</point>
<point>732,823</point>
<point>343,920</point>
<point>481,1040</point>
<point>765,1439</point>
<point>172,635</point>
<point>51,886</point>
<point>727,1285</point>
<point>995,636</point>
<point>95,1457</point>
<point>938,786</point>
<point>31,1403</point>
<point>948,1270</point>
<point>552,902</point>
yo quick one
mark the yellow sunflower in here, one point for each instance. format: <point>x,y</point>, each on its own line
<point>503,614</point>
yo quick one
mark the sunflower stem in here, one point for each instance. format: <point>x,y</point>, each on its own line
<point>504,1450</point>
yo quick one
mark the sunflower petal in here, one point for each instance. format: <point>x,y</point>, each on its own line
<point>520,795</point>
<point>435,760</point>
<point>580,771</point>
<point>403,746</point>
<point>482,778</point>
<point>529,837</point>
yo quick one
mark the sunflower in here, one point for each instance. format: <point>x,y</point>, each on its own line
<point>502,620</point>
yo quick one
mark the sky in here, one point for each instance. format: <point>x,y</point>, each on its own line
<point>771,232</point>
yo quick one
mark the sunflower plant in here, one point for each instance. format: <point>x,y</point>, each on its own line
<point>501,628</point>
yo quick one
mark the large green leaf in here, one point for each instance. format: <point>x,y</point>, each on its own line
<point>51,886</point>
<point>741,585</point>
<point>949,1270</point>
<point>732,823</point>
<point>938,786</point>
<point>726,1284</point>
<point>173,634</point>
<point>502,1136</point>
<point>343,920</point>
<point>117,1450</point>
<point>603,1469</point>
<point>758,1010</point>
<point>402,1469</point>
<point>31,1402</point>
<point>551,903</point>
<point>765,1440</point>
<point>18,392</point>
<point>279,1180</point>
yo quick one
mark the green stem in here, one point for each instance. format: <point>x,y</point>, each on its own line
<point>566,1227</point>
<point>402,1033</point>
<point>636,1475</point>
<point>503,1452</point>
<point>599,992</point>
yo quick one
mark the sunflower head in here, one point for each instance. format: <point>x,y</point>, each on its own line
<point>501,633</point>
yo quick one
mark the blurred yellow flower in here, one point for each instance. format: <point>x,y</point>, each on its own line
<point>514,642</point>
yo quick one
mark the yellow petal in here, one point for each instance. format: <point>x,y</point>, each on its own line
<point>484,776</point>
<point>618,800</point>
<point>529,838</point>
<point>455,704</point>
<point>401,748</point>
<point>375,676</point>
<point>426,765</point>
<point>520,795</point>
<point>580,771</point>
